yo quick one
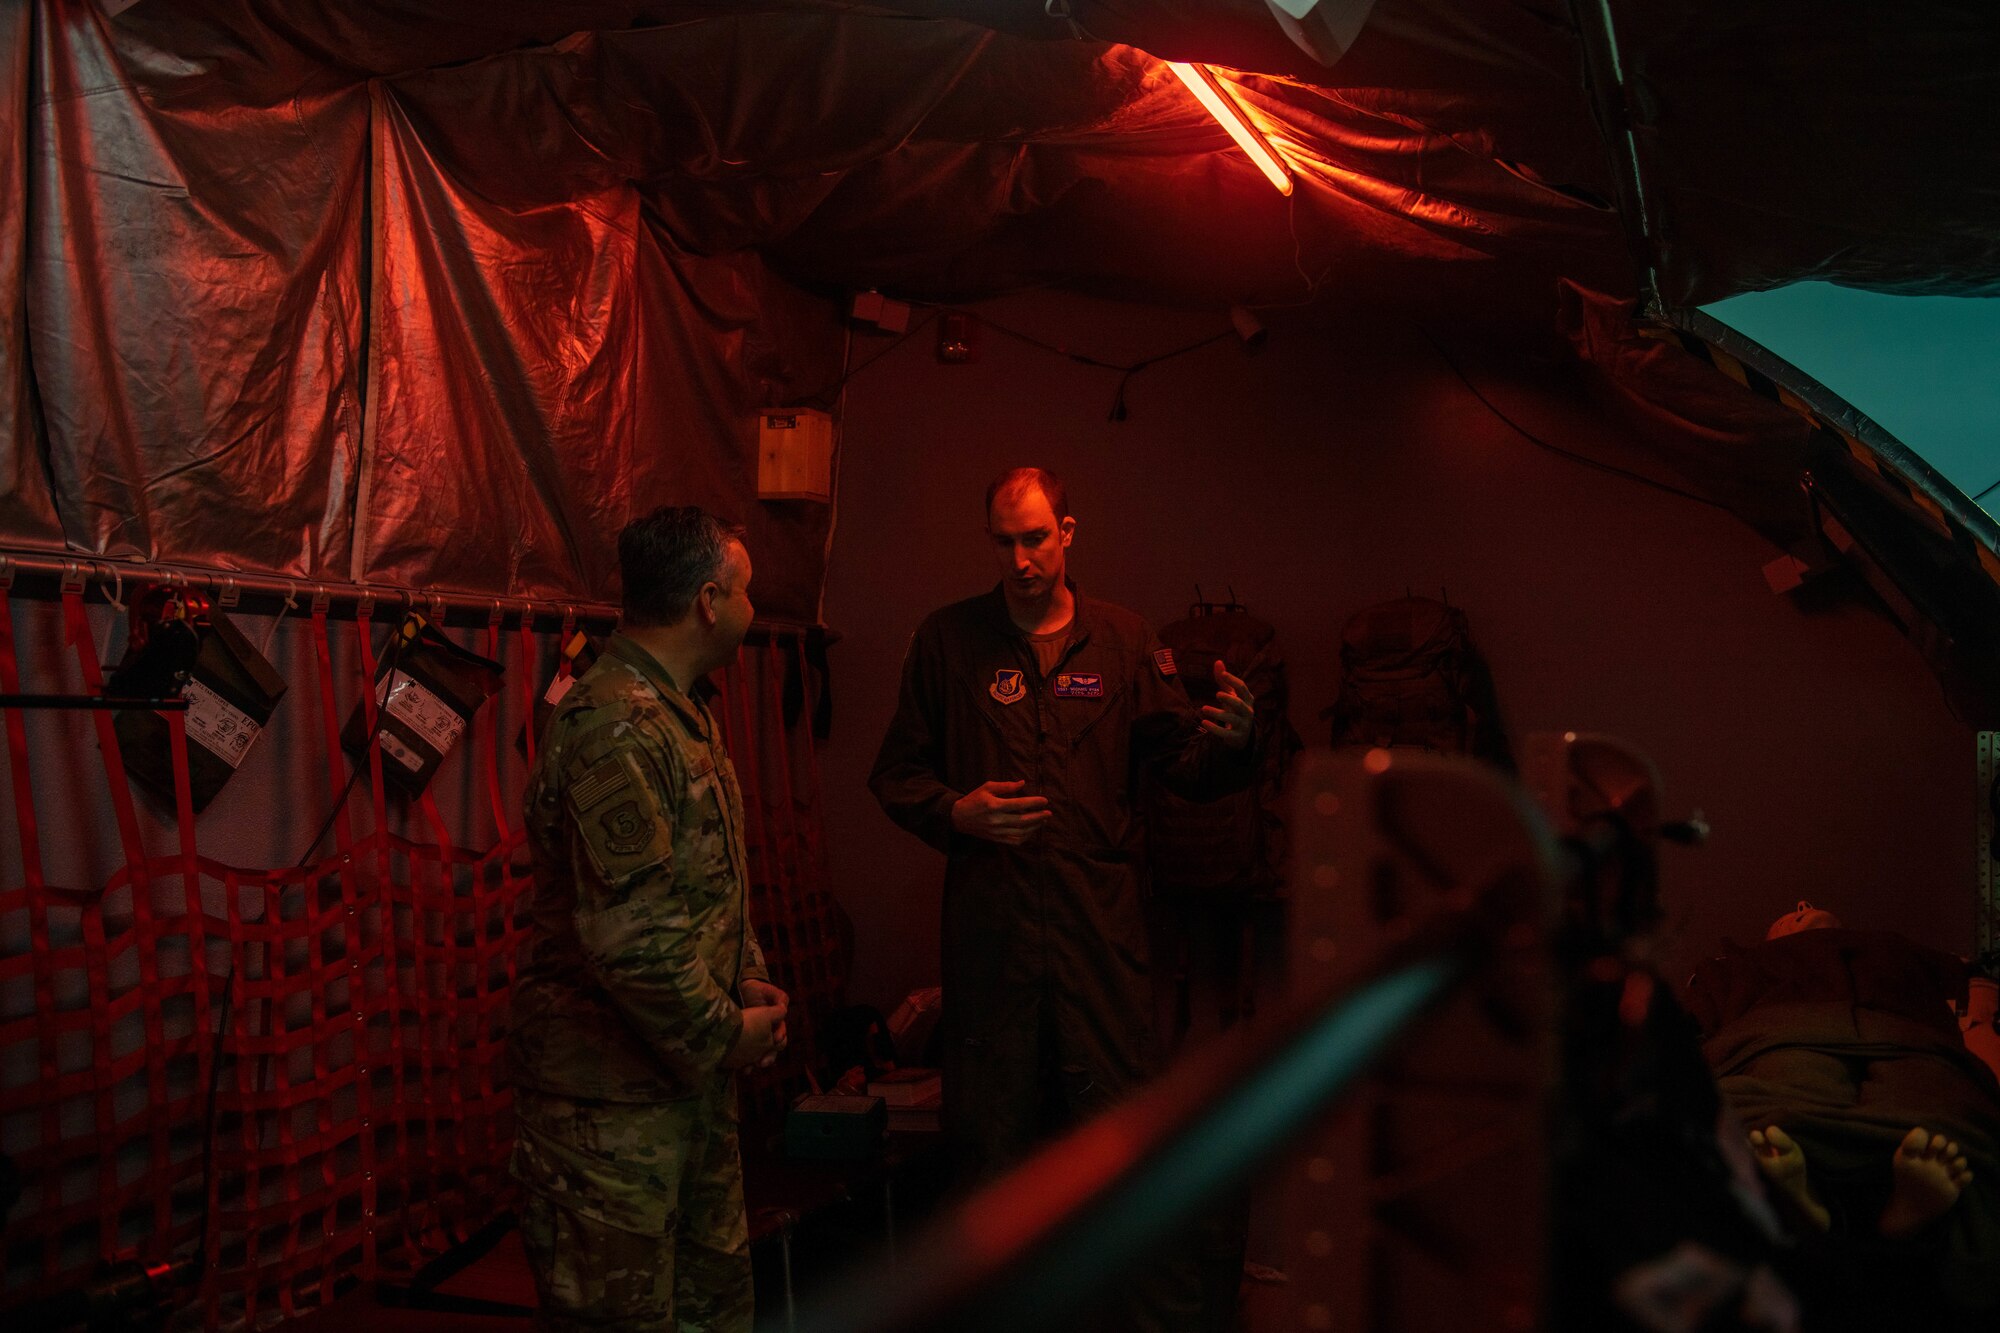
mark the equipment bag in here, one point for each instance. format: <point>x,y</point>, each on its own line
<point>179,644</point>
<point>1233,845</point>
<point>426,689</point>
<point>1410,675</point>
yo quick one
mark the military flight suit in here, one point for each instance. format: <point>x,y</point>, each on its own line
<point>1044,952</point>
<point>627,1004</point>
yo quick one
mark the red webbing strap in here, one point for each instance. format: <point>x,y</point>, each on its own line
<point>366,648</point>
<point>497,864</point>
<point>489,737</point>
<point>748,776</point>
<point>810,961</point>
<point>816,795</point>
<point>434,820</point>
<point>77,633</point>
<point>196,925</point>
<point>211,1283</point>
<point>435,1003</point>
<point>35,887</point>
<point>431,894</point>
<point>527,683</point>
<point>354,901</point>
<point>18,768</point>
<point>392,998</point>
<point>329,707</point>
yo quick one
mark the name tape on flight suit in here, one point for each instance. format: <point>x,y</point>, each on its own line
<point>1079,685</point>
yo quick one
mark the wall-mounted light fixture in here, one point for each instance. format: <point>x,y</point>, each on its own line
<point>1218,102</point>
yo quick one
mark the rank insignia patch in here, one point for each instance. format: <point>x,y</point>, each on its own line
<point>1008,686</point>
<point>1079,685</point>
<point>1163,658</point>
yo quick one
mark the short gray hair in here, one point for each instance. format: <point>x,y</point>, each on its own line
<point>666,557</point>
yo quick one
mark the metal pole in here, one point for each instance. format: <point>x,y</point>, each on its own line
<point>1023,1251</point>
<point>295,595</point>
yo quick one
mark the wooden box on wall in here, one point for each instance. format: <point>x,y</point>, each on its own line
<point>795,455</point>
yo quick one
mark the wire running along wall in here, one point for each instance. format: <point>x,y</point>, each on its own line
<point>361,1119</point>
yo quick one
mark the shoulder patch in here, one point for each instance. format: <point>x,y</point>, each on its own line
<point>603,780</point>
<point>624,828</point>
<point>1163,658</point>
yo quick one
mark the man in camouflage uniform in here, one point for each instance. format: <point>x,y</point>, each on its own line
<point>643,986</point>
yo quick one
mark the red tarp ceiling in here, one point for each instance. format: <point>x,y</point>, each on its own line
<point>438,294</point>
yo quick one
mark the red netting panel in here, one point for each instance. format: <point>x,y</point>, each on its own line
<point>790,905</point>
<point>361,1124</point>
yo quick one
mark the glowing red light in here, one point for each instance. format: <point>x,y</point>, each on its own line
<point>1222,106</point>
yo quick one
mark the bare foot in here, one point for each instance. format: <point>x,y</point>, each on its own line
<point>1930,1172</point>
<point>1783,1163</point>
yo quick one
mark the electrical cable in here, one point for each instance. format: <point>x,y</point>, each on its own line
<point>1126,371</point>
<point>1312,284</point>
<point>819,395</point>
<point>1557,449</point>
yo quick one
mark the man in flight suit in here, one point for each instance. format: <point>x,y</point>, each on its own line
<point>644,986</point>
<point>1025,717</point>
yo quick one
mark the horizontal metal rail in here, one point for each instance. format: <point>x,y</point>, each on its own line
<point>43,573</point>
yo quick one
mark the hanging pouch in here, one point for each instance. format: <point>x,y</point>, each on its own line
<point>179,644</point>
<point>426,689</point>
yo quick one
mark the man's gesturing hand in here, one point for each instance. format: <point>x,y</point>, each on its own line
<point>992,811</point>
<point>1232,718</point>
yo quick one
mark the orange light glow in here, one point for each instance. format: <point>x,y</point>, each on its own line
<point>1222,106</point>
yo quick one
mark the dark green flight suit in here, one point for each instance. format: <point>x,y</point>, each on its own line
<point>626,1006</point>
<point>1047,1002</point>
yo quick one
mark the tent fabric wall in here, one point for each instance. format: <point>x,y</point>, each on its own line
<point>193,310</point>
<point>315,337</point>
<point>1809,730</point>
<point>27,512</point>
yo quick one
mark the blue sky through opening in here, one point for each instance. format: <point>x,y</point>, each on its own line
<point>1926,368</point>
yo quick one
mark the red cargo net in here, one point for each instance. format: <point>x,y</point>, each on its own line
<point>361,1120</point>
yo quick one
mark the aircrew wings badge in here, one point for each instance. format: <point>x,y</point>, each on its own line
<point>1009,687</point>
<point>1163,658</point>
<point>1079,685</point>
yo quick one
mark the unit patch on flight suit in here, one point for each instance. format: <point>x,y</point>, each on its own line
<point>1079,685</point>
<point>1008,686</point>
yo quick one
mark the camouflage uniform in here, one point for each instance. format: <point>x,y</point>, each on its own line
<point>626,1006</point>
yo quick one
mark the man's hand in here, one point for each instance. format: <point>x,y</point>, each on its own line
<point>763,1036</point>
<point>992,811</point>
<point>763,992</point>
<point>1232,718</point>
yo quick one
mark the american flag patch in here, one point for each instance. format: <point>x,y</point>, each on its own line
<point>605,778</point>
<point>1163,658</point>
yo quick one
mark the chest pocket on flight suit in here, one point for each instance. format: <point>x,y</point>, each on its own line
<point>1112,701</point>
